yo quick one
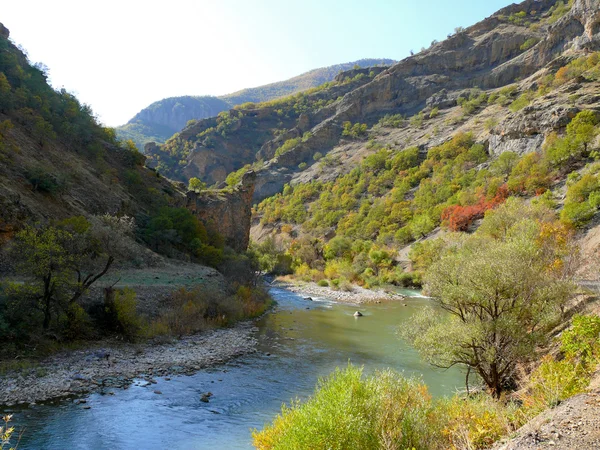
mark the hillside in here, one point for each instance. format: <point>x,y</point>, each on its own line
<point>209,149</point>
<point>387,156</point>
<point>164,118</point>
<point>310,79</point>
<point>57,161</point>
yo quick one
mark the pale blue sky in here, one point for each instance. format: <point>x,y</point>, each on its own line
<point>120,56</point>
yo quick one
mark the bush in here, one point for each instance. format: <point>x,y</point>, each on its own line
<point>323,283</point>
<point>521,102</point>
<point>383,411</point>
<point>125,313</point>
<point>43,181</point>
<point>354,131</point>
<point>529,43</point>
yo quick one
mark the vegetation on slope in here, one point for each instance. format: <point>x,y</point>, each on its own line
<point>76,203</point>
<point>238,136</point>
<point>503,289</point>
<point>397,196</point>
<point>162,119</point>
<point>300,83</point>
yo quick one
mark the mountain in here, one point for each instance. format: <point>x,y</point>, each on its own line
<point>57,162</point>
<point>387,156</point>
<point>162,119</point>
<point>313,78</point>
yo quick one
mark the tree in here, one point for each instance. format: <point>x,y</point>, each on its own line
<point>501,297</point>
<point>196,185</point>
<point>63,261</point>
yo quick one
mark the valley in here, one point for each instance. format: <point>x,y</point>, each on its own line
<point>378,254</point>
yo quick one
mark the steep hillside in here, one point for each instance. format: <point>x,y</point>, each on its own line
<point>56,162</point>
<point>250,133</point>
<point>162,119</point>
<point>385,157</point>
<point>300,83</point>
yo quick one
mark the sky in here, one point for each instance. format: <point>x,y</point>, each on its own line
<point>120,56</point>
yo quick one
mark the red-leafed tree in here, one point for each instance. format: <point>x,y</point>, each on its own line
<point>460,218</point>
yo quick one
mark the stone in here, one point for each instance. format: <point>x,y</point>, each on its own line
<point>227,212</point>
<point>358,314</point>
<point>158,392</point>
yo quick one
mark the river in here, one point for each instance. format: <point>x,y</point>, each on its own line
<point>298,343</point>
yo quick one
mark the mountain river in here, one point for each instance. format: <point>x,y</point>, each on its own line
<point>299,342</point>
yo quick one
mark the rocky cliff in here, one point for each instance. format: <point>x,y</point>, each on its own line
<point>227,211</point>
<point>508,47</point>
<point>164,118</point>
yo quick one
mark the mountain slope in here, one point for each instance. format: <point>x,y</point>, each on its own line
<point>300,83</point>
<point>164,118</point>
<point>507,107</point>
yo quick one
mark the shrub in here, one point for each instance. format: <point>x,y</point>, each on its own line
<point>417,120</point>
<point>552,382</point>
<point>521,102</point>
<point>582,340</point>
<point>125,312</point>
<point>323,283</point>
<point>385,410</point>
<point>392,121</point>
<point>354,131</point>
<point>529,43</point>
<point>43,181</point>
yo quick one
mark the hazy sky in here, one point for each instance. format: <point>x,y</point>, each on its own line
<point>120,56</point>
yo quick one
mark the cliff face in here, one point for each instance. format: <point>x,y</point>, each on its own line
<point>162,119</point>
<point>227,212</point>
<point>508,47</point>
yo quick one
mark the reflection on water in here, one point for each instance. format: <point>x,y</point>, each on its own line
<point>300,342</point>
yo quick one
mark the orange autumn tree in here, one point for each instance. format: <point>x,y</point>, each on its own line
<point>460,218</point>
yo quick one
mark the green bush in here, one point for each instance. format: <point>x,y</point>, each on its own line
<point>521,102</point>
<point>125,311</point>
<point>323,283</point>
<point>384,410</point>
<point>529,43</point>
<point>43,181</point>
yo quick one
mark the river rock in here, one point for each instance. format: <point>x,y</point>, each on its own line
<point>358,314</point>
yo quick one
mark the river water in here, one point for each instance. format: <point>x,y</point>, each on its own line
<point>298,343</point>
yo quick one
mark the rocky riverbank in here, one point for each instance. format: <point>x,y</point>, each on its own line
<point>357,296</point>
<point>116,365</point>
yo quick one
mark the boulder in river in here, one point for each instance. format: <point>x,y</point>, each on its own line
<point>358,314</point>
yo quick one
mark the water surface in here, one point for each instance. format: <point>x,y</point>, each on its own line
<point>298,343</point>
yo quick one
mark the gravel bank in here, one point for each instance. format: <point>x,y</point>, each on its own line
<point>116,365</point>
<point>358,295</point>
<point>573,425</point>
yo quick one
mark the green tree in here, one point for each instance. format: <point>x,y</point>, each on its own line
<point>61,263</point>
<point>196,185</point>
<point>502,296</point>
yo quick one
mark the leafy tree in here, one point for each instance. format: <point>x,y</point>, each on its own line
<point>502,296</point>
<point>61,262</point>
<point>196,185</point>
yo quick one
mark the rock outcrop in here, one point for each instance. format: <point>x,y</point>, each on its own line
<point>227,211</point>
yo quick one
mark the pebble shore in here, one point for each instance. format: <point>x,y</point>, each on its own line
<point>357,296</point>
<point>108,367</point>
